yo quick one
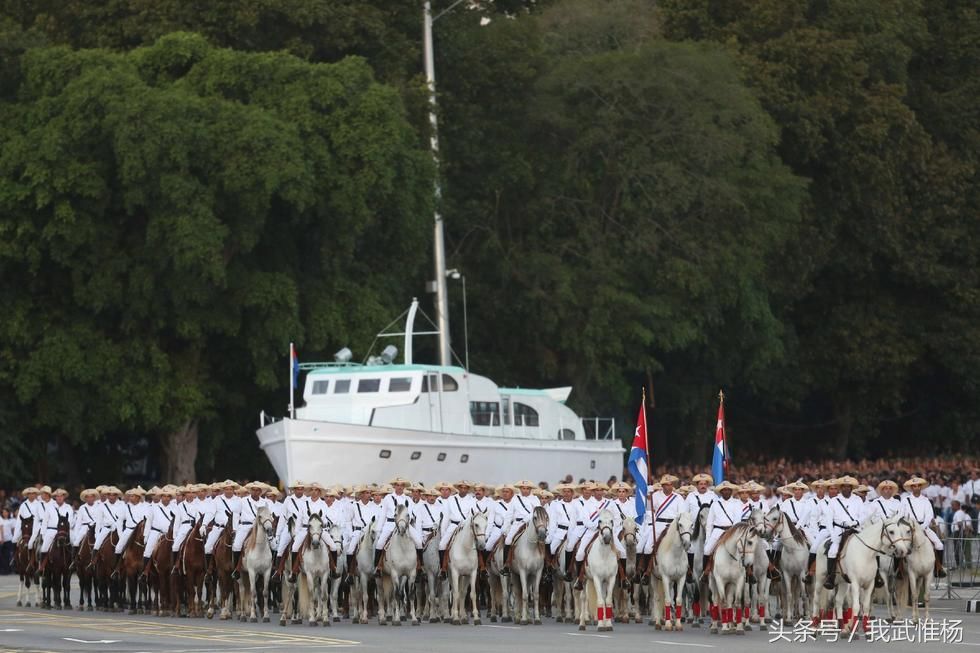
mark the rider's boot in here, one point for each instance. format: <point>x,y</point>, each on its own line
<point>772,573</point>
<point>74,557</point>
<point>443,557</point>
<point>811,568</point>
<point>690,567</point>
<point>624,581</point>
<point>115,565</point>
<point>351,570</point>
<point>208,559</point>
<point>569,565</point>
<point>280,567</point>
<point>236,561</point>
<point>940,571</point>
<point>377,562</point>
<point>879,581</point>
<point>829,582</point>
<point>418,561</point>
<point>707,564</point>
<point>580,583</point>
<point>506,569</point>
<point>146,567</point>
<point>44,563</point>
<point>294,572</point>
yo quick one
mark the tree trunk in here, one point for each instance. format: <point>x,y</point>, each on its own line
<point>179,449</point>
<point>845,421</point>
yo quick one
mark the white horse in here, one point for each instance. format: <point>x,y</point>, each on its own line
<point>628,600</point>
<point>563,596</point>
<point>470,537</point>
<point>337,575</point>
<point>670,572</point>
<point>435,594</point>
<point>734,552</point>
<point>920,565</point>
<point>601,568</point>
<point>527,566</point>
<point>398,581</point>
<point>755,594</point>
<point>859,561</point>
<point>257,564</point>
<point>698,591</point>
<point>792,568</point>
<point>360,594</point>
<point>315,570</point>
<point>499,587</point>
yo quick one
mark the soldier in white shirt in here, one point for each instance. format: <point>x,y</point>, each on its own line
<point>57,511</point>
<point>186,515</point>
<point>701,498</point>
<point>456,509</point>
<point>315,506</point>
<point>41,511</point>
<point>338,514</point>
<point>564,515</point>
<point>817,528</point>
<point>919,508</point>
<point>389,510</point>
<point>110,515</point>
<point>521,509</point>
<point>501,517</point>
<point>225,508</point>
<point>725,512</point>
<point>159,518</point>
<point>133,513</point>
<point>246,519</point>
<point>292,507</point>
<point>363,512</point>
<point>846,510</point>
<point>428,513</point>
<point>89,515</point>
<point>28,509</point>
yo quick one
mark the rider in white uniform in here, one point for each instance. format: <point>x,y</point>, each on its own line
<point>725,512</point>
<point>134,512</point>
<point>845,510</point>
<point>389,508</point>
<point>916,506</point>
<point>56,511</point>
<point>294,505</point>
<point>226,507</point>
<point>482,493</point>
<point>28,509</point>
<point>246,519</point>
<point>565,515</point>
<point>816,527</point>
<point>315,506</point>
<point>701,497</point>
<point>88,515</point>
<point>520,510</point>
<point>187,514</point>
<point>158,521</point>
<point>456,509</point>
<point>501,516</point>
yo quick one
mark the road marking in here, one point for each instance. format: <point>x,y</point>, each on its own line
<point>588,635</point>
<point>505,627</point>
<point>11,630</point>
<point>675,643</point>
<point>94,641</point>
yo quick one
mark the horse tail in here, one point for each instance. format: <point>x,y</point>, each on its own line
<point>304,595</point>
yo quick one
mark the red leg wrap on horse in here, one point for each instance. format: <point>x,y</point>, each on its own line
<point>667,615</point>
<point>762,612</point>
<point>609,612</point>
<point>696,608</point>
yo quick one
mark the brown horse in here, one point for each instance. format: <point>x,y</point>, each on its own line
<point>221,579</point>
<point>103,563</point>
<point>190,571</point>
<point>130,567</point>
<point>24,563</point>
<point>57,577</point>
<point>85,573</point>
<point>160,583</point>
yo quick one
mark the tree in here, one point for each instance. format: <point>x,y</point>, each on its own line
<point>173,215</point>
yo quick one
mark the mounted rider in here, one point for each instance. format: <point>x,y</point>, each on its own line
<point>918,507</point>
<point>134,512</point>
<point>227,507</point>
<point>161,516</point>
<point>389,509</point>
<point>725,512</point>
<point>520,511</point>
<point>88,515</point>
<point>295,505</point>
<point>456,510</point>
<point>56,511</point>
<point>248,513</point>
<point>318,507</point>
<point>501,518</point>
<point>28,509</point>
<point>845,509</point>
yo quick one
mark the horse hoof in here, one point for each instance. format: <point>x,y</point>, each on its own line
<point>581,627</point>
<point>668,626</point>
<point>19,604</point>
<point>265,620</point>
<point>713,630</point>
<point>695,624</point>
<point>382,622</point>
<point>506,620</point>
<point>493,619</point>
<point>210,614</point>
<point>455,622</point>
<point>253,620</point>
<point>762,628</point>
<point>336,619</point>
<point>326,623</point>
<point>477,622</point>
<point>558,620</point>
<point>397,623</point>
<point>132,612</point>
<point>282,622</point>
<point>312,624</point>
<point>297,622</point>
<point>537,622</point>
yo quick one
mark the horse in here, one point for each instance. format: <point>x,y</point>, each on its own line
<point>733,554</point>
<point>463,553</point>
<point>920,564</point>
<point>792,568</point>
<point>130,567</point>
<point>436,593</point>
<point>86,578</point>
<point>159,582</point>
<point>24,560</point>
<point>257,565</point>
<point>314,571</point>
<point>106,590</point>
<point>563,599</point>
<point>756,590</point>
<point>400,563</point>
<point>364,554</point>
<point>499,587</point>
<point>190,571</point>
<point>221,585</point>
<point>601,569</point>
<point>627,601</point>
<point>336,580</point>
<point>56,583</point>
<point>698,590</point>
<point>670,568</point>
<point>527,566</point>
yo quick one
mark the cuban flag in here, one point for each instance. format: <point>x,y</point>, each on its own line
<point>719,462</point>
<point>294,358</point>
<point>637,464</point>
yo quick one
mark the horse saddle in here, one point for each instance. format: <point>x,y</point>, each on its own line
<point>588,547</point>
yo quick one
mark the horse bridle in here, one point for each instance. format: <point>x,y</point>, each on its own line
<point>681,533</point>
<point>891,541</point>
<point>740,545</point>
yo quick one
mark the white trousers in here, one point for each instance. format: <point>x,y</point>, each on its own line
<point>285,539</point>
<point>100,535</point>
<point>183,530</point>
<point>560,535</point>
<point>36,534</point>
<point>123,539</point>
<point>355,538</point>
<point>213,537</point>
<point>819,540</point>
<point>388,528</point>
<point>512,533</point>
<point>324,537</point>
<point>47,539</point>
<point>494,533</point>
<point>151,543</point>
<point>447,534</point>
<point>241,532</point>
<point>78,534</point>
<point>620,548</point>
<point>937,544</point>
<point>712,540</point>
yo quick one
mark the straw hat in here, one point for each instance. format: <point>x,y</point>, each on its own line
<point>153,491</point>
<point>621,485</point>
<point>314,486</point>
<point>506,487</point>
<point>88,492</point>
<point>255,485</point>
<point>101,488</point>
<point>168,490</point>
<point>60,492</point>
<point>545,494</point>
<point>443,485</point>
<point>685,490</point>
<point>848,480</point>
<point>887,483</point>
<point>298,485</point>
<point>915,481</point>
<point>330,492</point>
<point>524,484</point>
<point>669,478</point>
<point>537,492</point>
<point>45,489</point>
<point>654,487</point>
<point>702,477</point>
<point>586,485</point>
<point>796,485</point>
<point>464,483</point>
<point>274,491</point>
<point>862,488</point>
<point>430,492</point>
<point>30,490</point>
<point>600,486</point>
<point>726,485</point>
<point>482,486</point>
<point>398,480</point>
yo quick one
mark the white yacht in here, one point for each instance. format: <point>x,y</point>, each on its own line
<point>369,422</point>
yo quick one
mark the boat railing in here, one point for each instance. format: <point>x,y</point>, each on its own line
<point>265,420</point>
<point>306,367</point>
<point>599,428</point>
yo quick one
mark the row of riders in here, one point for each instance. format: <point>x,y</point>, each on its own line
<point>476,525</point>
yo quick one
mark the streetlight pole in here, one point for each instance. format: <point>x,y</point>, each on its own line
<point>439,243</point>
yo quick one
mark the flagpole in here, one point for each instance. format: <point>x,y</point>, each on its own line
<point>646,445</point>
<point>724,435</point>
<point>292,384</point>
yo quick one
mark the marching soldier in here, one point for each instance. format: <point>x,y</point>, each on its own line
<point>227,507</point>
<point>134,512</point>
<point>55,512</point>
<point>456,510</point>
<point>390,506</point>
<point>725,512</point>
<point>247,515</point>
<point>89,514</point>
<point>158,522</point>
<point>521,508</point>
<point>845,511</point>
<point>918,507</point>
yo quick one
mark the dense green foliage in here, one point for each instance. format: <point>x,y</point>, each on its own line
<point>777,197</point>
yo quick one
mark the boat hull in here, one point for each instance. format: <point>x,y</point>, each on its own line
<point>333,453</point>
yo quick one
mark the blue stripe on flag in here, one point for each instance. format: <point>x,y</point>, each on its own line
<point>637,467</point>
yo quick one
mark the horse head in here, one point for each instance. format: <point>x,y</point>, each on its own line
<point>403,519</point>
<point>539,518</point>
<point>758,521</point>
<point>266,519</point>
<point>63,527</point>
<point>896,534</point>
<point>605,527</point>
<point>701,522</point>
<point>746,539</point>
<point>315,529</point>
<point>479,525</point>
<point>685,528</point>
<point>772,519</point>
<point>629,532</point>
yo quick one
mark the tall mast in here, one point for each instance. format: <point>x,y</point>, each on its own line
<point>439,245</point>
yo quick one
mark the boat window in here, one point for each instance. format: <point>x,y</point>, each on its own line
<point>485,413</point>
<point>341,387</point>
<point>400,384</point>
<point>449,384</point>
<point>430,379</point>
<point>566,434</point>
<point>368,385</point>
<point>441,457</point>
<point>505,401</point>
<point>320,387</point>
<point>524,415</point>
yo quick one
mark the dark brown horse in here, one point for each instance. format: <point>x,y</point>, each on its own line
<point>221,579</point>
<point>56,583</point>
<point>106,591</point>
<point>130,566</point>
<point>24,564</point>
<point>160,583</point>
<point>86,575</point>
<point>189,568</point>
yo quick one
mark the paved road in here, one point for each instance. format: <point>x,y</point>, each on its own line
<point>32,629</point>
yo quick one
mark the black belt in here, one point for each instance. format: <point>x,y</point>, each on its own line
<point>500,525</point>
<point>357,528</point>
<point>668,521</point>
<point>154,528</point>
<point>822,528</point>
<point>724,528</point>
<point>455,521</point>
<point>128,528</point>
<point>187,521</point>
<point>52,528</point>
<point>844,526</point>
<point>578,523</point>
<point>245,523</point>
<point>427,528</point>
<point>391,519</point>
<point>564,528</point>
